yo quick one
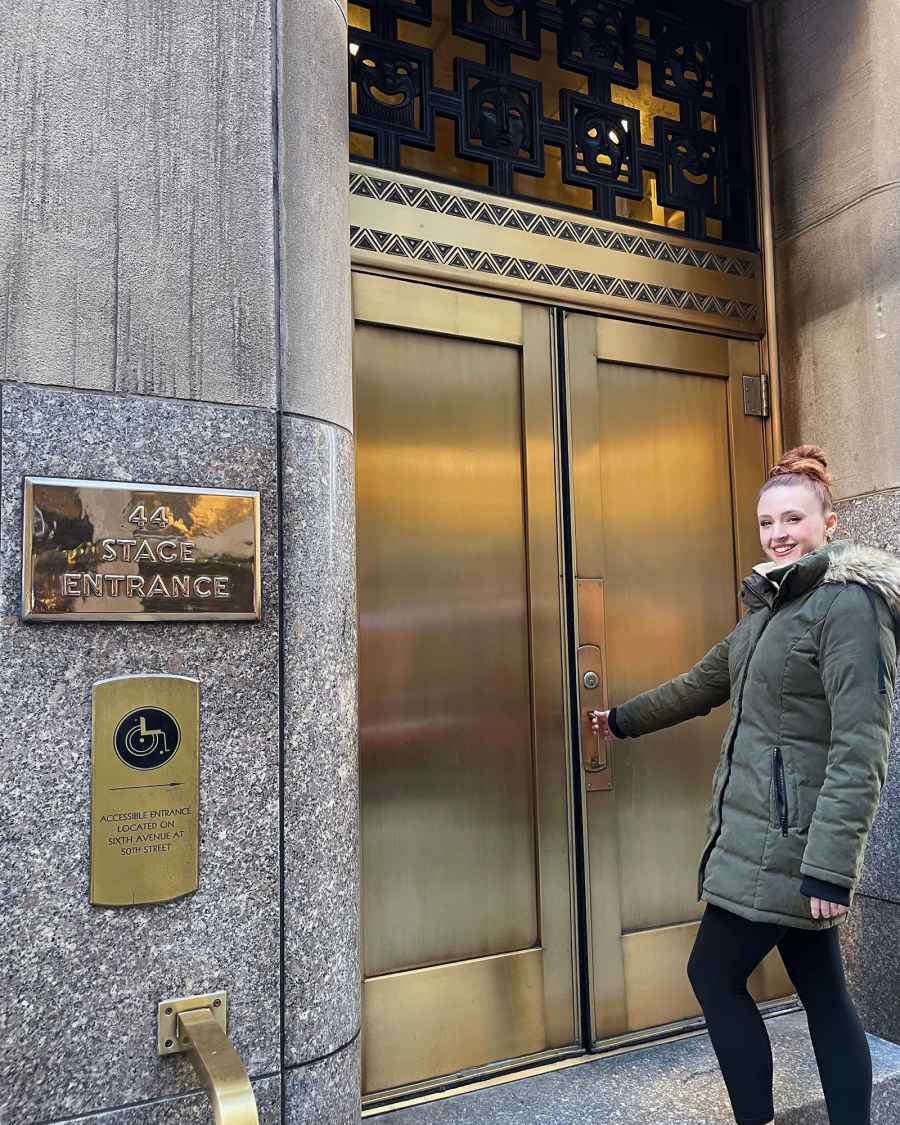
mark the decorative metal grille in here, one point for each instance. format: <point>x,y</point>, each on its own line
<point>632,112</point>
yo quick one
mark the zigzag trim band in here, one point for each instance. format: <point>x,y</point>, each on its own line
<point>533,222</point>
<point>502,265</point>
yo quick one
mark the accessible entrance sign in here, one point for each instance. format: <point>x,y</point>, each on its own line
<point>145,757</point>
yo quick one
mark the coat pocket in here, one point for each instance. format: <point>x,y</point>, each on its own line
<point>780,791</point>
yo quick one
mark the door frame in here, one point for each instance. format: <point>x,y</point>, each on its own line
<point>563,409</point>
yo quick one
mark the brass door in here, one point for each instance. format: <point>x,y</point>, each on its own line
<point>665,467</point>
<point>467,888</point>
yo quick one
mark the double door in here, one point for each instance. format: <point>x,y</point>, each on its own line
<point>553,513</point>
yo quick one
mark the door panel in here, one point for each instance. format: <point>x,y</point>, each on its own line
<point>669,583</point>
<point>448,785</point>
<point>467,887</point>
<point>453,1017</point>
<point>656,470</point>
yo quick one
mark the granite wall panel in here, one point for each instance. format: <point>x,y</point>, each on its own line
<point>325,1091</point>
<point>136,234</point>
<point>833,105</point>
<point>872,958</point>
<point>839,341</point>
<point>191,1109</point>
<point>875,521</point>
<point>872,519</point>
<point>79,983</point>
<point>833,102</point>
<point>321,805</point>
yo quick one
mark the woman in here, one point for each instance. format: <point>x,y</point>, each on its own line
<point>809,671</point>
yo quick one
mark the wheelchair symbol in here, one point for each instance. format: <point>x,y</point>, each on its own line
<point>147,738</point>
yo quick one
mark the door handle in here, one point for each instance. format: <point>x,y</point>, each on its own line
<point>196,1026</point>
<point>592,693</point>
<point>594,751</point>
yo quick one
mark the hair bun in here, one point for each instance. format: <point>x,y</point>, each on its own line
<point>806,460</point>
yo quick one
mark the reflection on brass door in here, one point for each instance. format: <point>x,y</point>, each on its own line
<point>444,697</point>
<point>466,881</point>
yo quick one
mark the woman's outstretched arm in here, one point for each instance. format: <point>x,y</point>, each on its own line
<point>695,692</point>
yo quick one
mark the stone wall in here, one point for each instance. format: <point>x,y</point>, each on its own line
<point>176,310</point>
<point>833,102</point>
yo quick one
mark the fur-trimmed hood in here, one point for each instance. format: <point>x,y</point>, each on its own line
<point>869,566</point>
<point>840,562</point>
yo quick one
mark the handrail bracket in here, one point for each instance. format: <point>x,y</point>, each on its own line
<point>197,1026</point>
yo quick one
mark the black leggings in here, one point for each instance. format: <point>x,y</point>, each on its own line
<point>727,950</point>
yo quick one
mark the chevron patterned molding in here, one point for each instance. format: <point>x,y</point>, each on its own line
<point>502,265</point>
<point>445,201</point>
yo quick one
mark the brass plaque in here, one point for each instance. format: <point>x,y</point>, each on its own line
<point>145,783</point>
<point>109,551</point>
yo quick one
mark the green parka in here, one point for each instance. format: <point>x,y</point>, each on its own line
<point>809,671</point>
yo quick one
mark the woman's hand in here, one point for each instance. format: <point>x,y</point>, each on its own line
<point>822,908</point>
<point>600,725</point>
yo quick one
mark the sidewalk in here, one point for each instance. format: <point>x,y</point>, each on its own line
<point>675,1083</point>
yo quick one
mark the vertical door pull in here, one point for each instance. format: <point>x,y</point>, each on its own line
<point>195,1025</point>
<point>592,693</point>
<point>594,755</point>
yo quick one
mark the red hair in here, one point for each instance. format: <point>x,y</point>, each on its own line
<point>804,465</point>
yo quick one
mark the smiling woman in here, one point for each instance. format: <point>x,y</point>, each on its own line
<point>795,508</point>
<point>809,674</point>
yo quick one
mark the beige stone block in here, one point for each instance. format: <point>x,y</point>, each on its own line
<point>314,202</point>
<point>833,99</point>
<point>838,291</point>
<point>136,241</point>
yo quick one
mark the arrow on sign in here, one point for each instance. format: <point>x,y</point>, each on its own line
<point>149,785</point>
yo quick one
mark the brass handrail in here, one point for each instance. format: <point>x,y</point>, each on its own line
<point>197,1027</point>
<point>219,1067</point>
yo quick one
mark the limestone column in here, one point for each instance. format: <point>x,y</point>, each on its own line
<point>321,837</point>
<point>175,312</point>
<point>833,102</point>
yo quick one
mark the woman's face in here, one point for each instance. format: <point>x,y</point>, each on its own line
<point>791,522</point>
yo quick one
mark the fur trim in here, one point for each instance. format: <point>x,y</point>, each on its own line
<point>869,566</point>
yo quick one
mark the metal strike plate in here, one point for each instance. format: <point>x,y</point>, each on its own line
<point>594,751</point>
<point>168,1041</point>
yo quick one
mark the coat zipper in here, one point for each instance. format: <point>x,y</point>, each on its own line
<point>712,844</point>
<point>780,790</point>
